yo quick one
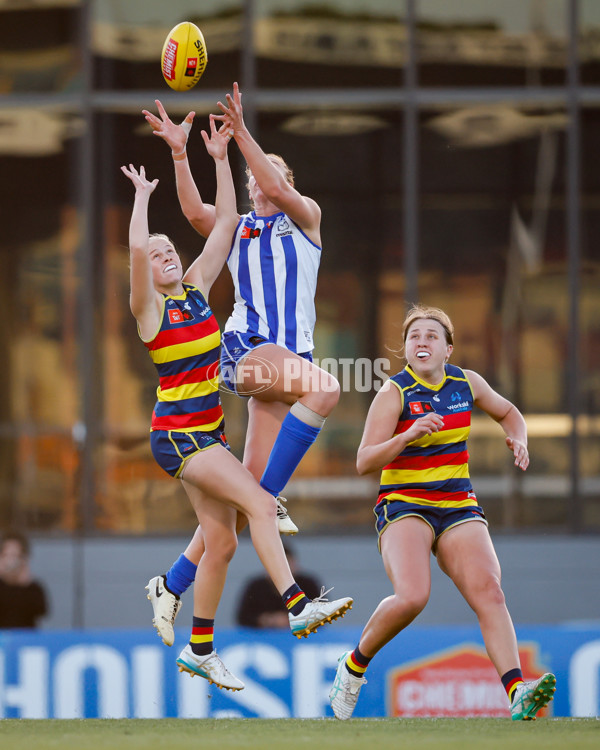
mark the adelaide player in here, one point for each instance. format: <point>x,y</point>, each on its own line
<point>416,433</point>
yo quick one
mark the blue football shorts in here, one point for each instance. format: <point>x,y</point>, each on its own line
<point>234,347</point>
<point>439,519</point>
<point>172,448</point>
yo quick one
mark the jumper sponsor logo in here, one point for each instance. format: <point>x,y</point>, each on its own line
<point>170,59</point>
<point>414,390</point>
<point>458,682</point>
<point>458,407</point>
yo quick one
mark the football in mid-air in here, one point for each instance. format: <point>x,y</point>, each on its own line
<point>183,57</point>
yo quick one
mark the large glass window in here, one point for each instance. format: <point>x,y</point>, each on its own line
<point>38,46</point>
<point>475,43</point>
<point>589,41</point>
<point>41,239</point>
<point>493,254</point>
<point>589,316</point>
<point>337,44</point>
<point>472,205</point>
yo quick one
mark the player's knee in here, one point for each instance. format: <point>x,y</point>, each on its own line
<point>222,548</point>
<point>269,507</point>
<point>262,507</point>
<point>323,398</point>
<point>230,547</point>
<point>489,594</point>
<point>411,604</point>
<point>331,392</point>
<point>408,604</point>
<point>495,593</point>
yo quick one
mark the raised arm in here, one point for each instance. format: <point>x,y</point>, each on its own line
<point>379,445</point>
<point>144,300</point>
<point>205,269</point>
<point>505,413</point>
<point>200,215</point>
<point>303,210</point>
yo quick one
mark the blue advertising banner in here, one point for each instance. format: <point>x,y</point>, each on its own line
<point>426,671</point>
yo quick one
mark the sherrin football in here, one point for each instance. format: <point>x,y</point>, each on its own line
<point>183,57</point>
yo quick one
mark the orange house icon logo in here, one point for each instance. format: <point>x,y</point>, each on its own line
<point>457,682</point>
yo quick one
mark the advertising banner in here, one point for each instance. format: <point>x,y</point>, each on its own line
<point>427,671</point>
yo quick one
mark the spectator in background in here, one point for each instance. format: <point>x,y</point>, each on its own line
<point>22,600</point>
<point>260,604</point>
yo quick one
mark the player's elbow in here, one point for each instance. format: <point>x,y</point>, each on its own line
<point>275,191</point>
<point>193,214</point>
<point>200,222</point>
<point>362,463</point>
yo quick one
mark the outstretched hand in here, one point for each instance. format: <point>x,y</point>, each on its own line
<point>520,452</point>
<point>139,180</point>
<point>233,113</point>
<point>216,143</point>
<point>175,135</point>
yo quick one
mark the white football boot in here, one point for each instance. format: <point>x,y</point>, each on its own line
<point>531,696</point>
<point>210,667</point>
<point>165,606</point>
<point>318,612</point>
<point>343,695</point>
<point>285,523</point>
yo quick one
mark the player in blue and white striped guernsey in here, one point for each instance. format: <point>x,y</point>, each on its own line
<point>274,267</point>
<point>268,339</point>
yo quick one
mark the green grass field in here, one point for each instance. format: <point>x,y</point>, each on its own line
<point>298,734</point>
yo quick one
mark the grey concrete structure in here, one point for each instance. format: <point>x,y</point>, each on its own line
<point>99,583</point>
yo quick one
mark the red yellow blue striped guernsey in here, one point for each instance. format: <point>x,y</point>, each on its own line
<point>185,352</point>
<point>433,470</point>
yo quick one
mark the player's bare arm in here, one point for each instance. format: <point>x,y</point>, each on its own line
<point>200,215</point>
<point>205,269</point>
<point>505,413</point>
<point>144,300</point>
<point>379,445</point>
<point>303,210</point>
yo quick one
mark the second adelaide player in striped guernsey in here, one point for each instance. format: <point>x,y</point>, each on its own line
<point>416,432</point>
